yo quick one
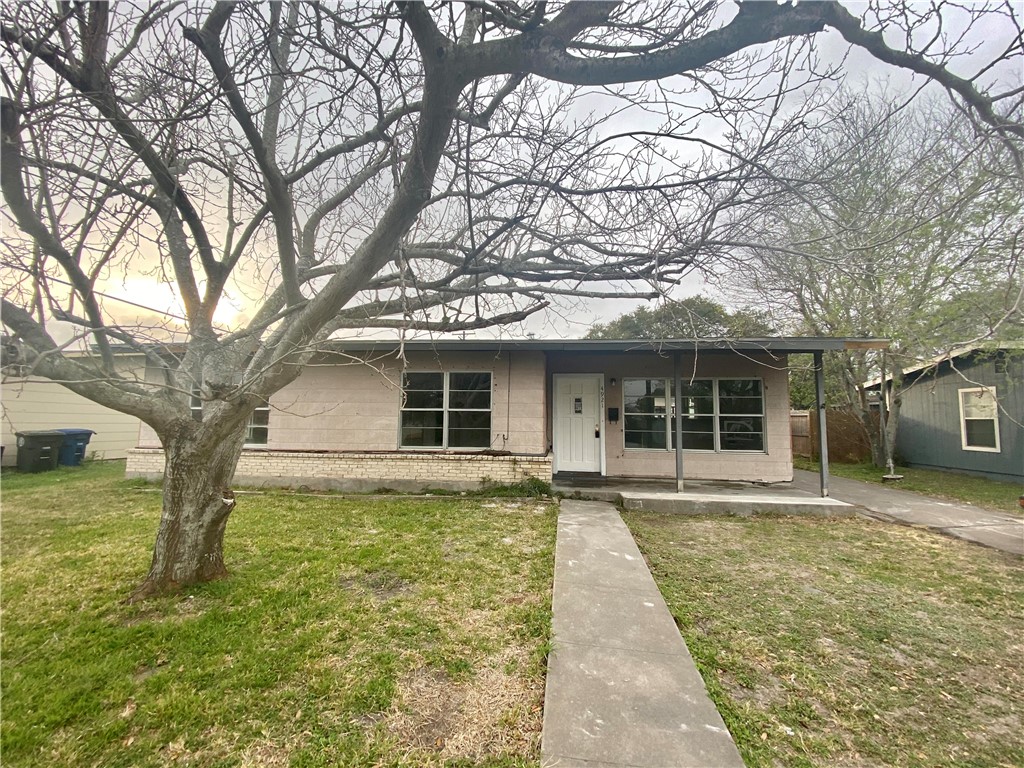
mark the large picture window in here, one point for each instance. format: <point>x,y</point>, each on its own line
<point>979,419</point>
<point>446,410</point>
<point>717,414</point>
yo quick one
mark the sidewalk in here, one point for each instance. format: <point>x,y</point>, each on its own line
<point>622,689</point>
<point>964,521</point>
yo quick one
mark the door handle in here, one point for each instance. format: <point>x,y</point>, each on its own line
<point>597,432</point>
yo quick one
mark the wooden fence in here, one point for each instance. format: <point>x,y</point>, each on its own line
<point>847,441</point>
<point>800,432</point>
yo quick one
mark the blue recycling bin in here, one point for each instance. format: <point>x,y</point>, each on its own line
<point>72,449</point>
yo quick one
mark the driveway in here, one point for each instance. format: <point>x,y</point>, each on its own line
<point>964,521</point>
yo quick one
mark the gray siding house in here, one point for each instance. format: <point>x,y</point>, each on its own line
<point>965,413</point>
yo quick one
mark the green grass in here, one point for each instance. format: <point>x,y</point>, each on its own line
<point>383,632</point>
<point>828,642</point>
<point>981,491</point>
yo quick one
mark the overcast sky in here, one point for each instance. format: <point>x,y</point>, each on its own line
<point>573,320</point>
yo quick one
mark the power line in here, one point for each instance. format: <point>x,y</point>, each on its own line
<point>97,293</point>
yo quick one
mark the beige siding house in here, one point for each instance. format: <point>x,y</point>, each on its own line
<point>456,414</point>
<point>33,403</point>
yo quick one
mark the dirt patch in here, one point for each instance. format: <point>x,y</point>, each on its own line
<point>495,712</point>
<point>266,754</point>
<point>384,585</point>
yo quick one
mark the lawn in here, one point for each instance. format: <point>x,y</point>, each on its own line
<point>955,486</point>
<point>847,642</point>
<point>376,632</point>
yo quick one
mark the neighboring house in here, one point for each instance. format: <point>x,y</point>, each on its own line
<point>965,412</point>
<point>34,403</point>
<point>457,413</point>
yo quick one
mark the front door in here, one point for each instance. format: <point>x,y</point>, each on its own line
<point>578,425</point>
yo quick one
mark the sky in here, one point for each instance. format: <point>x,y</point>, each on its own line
<point>564,320</point>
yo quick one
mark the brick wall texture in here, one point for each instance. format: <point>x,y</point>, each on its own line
<point>337,425</point>
<point>363,471</point>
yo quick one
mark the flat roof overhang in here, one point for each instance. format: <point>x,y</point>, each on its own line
<point>781,344</point>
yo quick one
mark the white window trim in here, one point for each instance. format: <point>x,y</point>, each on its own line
<point>963,421</point>
<point>714,415</point>
<point>444,414</point>
<point>265,406</point>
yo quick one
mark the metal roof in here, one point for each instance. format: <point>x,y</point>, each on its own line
<point>783,345</point>
<point>986,347</point>
<point>776,344</point>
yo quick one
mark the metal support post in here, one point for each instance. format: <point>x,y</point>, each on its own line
<point>678,407</point>
<point>819,397</point>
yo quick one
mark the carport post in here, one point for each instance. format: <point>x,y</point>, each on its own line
<point>678,407</point>
<point>819,398</point>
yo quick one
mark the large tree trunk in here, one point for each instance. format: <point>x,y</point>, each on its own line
<point>197,501</point>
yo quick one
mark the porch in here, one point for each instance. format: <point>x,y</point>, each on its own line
<point>698,496</point>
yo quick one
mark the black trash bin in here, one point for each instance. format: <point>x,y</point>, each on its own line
<point>72,450</point>
<point>39,451</point>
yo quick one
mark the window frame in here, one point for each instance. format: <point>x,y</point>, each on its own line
<point>963,420</point>
<point>759,415</point>
<point>716,415</point>
<point>446,410</point>
<point>665,414</point>
<point>196,395</point>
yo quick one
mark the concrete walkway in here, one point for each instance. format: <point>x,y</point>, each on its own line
<point>622,689</point>
<point>964,521</point>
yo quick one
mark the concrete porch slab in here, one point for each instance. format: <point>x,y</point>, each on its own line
<point>702,497</point>
<point>708,504</point>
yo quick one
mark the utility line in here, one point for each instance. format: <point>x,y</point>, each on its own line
<point>97,293</point>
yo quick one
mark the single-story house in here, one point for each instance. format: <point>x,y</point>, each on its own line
<point>456,413</point>
<point>965,412</point>
<point>30,403</point>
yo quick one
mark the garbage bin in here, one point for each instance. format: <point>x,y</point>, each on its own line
<point>72,450</point>
<point>38,451</point>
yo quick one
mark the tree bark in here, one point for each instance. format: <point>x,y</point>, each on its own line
<point>197,502</point>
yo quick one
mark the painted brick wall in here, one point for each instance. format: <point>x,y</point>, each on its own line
<point>775,464</point>
<point>345,404</point>
<point>363,471</point>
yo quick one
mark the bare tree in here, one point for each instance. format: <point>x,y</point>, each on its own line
<point>903,226</point>
<point>409,166</point>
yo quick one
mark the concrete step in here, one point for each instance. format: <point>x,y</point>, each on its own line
<point>744,505</point>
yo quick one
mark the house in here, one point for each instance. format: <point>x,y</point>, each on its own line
<point>965,412</point>
<point>455,413</point>
<point>33,403</point>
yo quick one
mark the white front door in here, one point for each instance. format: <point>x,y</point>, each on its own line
<point>578,426</point>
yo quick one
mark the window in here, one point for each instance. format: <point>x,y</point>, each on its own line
<point>698,415</point>
<point>446,410</point>
<point>256,431</point>
<point>644,410</point>
<point>979,419</point>
<point>717,414</point>
<point>740,415</point>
